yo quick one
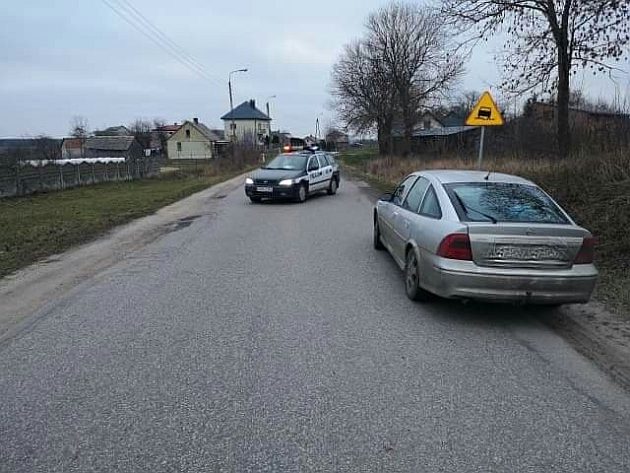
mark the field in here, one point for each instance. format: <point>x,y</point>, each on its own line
<point>594,189</point>
<point>37,226</point>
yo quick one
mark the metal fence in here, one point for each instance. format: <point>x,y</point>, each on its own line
<point>27,178</point>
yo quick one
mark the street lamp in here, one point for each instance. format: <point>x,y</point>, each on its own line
<point>233,125</point>
<point>269,115</point>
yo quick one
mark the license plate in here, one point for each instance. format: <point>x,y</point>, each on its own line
<point>264,189</point>
<point>527,253</point>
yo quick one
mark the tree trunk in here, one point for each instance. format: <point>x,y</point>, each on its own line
<point>564,132</point>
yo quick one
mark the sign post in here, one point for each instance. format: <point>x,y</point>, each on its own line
<point>484,113</point>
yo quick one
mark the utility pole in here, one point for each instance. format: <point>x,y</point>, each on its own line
<point>269,115</point>
<point>233,124</point>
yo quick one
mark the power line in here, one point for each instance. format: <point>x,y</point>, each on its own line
<point>175,46</point>
<point>162,44</point>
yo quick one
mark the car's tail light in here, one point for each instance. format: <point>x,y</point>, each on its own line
<point>587,251</point>
<point>455,246</point>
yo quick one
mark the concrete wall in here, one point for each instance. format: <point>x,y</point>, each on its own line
<point>20,179</point>
<point>192,146</point>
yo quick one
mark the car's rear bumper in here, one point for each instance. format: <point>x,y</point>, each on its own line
<point>278,192</point>
<point>573,285</point>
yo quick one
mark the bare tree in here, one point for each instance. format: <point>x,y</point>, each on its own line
<point>79,127</point>
<point>47,148</point>
<point>549,40</point>
<point>362,96</point>
<point>418,56</point>
<point>163,137</point>
<point>141,129</point>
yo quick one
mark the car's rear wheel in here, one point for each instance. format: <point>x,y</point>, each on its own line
<point>255,200</point>
<point>302,193</point>
<point>332,187</point>
<point>412,279</point>
<point>378,244</point>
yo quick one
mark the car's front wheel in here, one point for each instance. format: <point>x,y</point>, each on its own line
<point>302,193</point>
<point>412,279</point>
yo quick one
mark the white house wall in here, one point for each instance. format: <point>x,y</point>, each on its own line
<point>247,129</point>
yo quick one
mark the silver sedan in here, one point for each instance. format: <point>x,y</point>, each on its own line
<point>486,236</point>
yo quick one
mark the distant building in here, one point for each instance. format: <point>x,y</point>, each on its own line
<point>436,132</point>
<point>429,121</point>
<point>250,124</point>
<point>337,140</point>
<point>120,130</point>
<point>73,148</point>
<point>194,140</point>
<point>160,135</point>
<point>587,120</point>
<point>112,147</point>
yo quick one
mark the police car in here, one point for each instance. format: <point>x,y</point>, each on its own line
<point>294,175</point>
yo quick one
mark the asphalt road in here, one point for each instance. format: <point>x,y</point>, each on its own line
<point>273,338</point>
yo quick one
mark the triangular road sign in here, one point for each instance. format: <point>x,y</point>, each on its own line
<point>485,113</point>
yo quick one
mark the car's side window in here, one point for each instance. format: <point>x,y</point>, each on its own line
<point>430,205</point>
<point>403,187</point>
<point>414,196</point>
<point>323,160</point>
<point>313,165</point>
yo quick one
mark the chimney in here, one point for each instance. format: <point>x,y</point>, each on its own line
<point>252,103</point>
<point>196,120</point>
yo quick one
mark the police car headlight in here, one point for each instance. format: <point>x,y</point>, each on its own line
<point>286,182</point>
<point>249,181</point>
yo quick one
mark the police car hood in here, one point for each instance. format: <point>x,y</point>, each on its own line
<point>276,174</point>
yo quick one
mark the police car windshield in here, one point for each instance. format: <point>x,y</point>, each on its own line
<point>288,162</point>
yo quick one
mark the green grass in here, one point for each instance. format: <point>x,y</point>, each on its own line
<point>595,190</point>
<point>37,226</point>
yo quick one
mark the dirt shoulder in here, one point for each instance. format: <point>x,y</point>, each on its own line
<point>26,291</point>
<point>599,334</point>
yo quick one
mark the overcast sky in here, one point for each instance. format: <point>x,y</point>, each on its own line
<point>77,57</point>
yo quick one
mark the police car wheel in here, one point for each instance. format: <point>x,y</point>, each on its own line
<point>332,188</point>
<point>301,195</point>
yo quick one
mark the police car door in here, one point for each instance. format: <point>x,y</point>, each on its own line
<point>327,170</point>
<point>314,174</point>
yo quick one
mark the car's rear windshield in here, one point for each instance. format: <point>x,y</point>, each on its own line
<point>288,161</point>
<point>503,202</point>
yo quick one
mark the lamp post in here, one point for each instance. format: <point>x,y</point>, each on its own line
<point>269,115</point>
<point>233,125</point>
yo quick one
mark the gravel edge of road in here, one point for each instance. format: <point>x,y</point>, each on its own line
<point>592,330</point>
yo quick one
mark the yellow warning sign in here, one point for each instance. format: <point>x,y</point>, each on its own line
<point>485,113</point>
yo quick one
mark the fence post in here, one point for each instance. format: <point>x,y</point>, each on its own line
<point>41,179</point>
<point>79,174</point>
<point>61,183</point>
<point>93,175</point>
<point>117,171</point>
<point>17,178</point>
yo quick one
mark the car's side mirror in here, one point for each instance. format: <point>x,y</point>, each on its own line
<point>387,196</point>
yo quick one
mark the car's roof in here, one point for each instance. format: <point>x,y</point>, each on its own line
<point>447,176</point>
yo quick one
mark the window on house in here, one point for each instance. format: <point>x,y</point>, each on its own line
<point>427,124</point>
<point>179,147</point>
<point>187,133</point>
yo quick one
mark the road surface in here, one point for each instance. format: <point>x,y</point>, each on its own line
<point>274,338</point>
